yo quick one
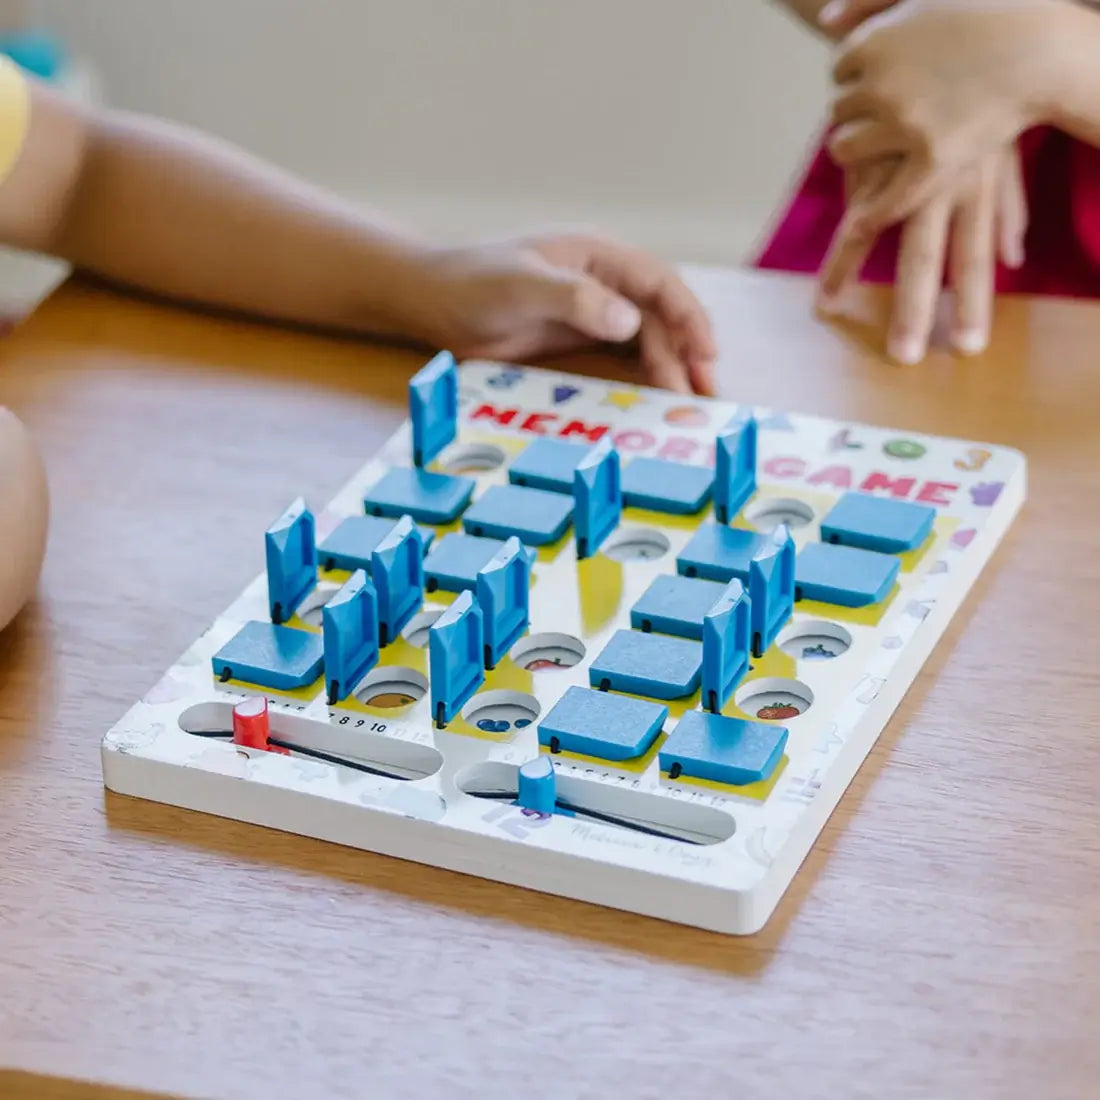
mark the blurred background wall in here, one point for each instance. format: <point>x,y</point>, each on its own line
<point>677,124</point>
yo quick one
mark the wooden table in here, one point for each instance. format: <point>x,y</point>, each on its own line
<point>149,948</point>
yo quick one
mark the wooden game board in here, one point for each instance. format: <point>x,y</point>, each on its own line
<point>692,851</point>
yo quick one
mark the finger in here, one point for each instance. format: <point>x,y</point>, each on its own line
<point>854,103</point>
<point>910,186</point>
<point>863,140</point>
<point>654,286</point>
<point>849,249</point>
<point>585,305</point>
<point>841,15</point>
<point>919,280</point>
<point>662,366</point>
<point>972,263</point>
<point>1012,214</point>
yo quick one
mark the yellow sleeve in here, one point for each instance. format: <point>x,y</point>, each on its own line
<point>15,113</point>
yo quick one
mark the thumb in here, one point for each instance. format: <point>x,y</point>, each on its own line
<point>585,304</point>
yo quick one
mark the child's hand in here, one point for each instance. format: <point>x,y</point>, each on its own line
<point>939,85</point>
<point>549,294</point>
<point>984,215</point>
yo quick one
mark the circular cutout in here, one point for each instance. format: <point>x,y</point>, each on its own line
<point>816,641</point>
<point>473,458</point>
<point>774,700</point>
<point>539,652</point>
<point>769,513</point>
<point>636,544</point>
<point>392,686</point>
<point>417,629</point>
<point>501,711</point>
<point>311,609</point>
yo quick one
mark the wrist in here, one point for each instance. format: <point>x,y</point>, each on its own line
<point>390,288</point>
<point>1067,38</point>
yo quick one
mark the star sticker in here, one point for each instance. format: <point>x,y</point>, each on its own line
<point>623,399</point>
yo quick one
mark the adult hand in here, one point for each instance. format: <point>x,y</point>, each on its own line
<point>965,226</point>
<point>938,85</point>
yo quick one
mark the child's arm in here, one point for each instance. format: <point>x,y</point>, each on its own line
<point>24,513</point>
<point>174,212</point>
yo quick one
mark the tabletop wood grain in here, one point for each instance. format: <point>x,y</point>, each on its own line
<point>151,949</point>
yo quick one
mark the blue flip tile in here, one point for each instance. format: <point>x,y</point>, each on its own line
<point>609,727</point>
<point>722,750</point>
<point>734,467</point>
<point>727,642</point>
<point>351,636</point>
<point>656,665</point>
<point>503,594</point>
<point>535,516</point>
<point>663,486</point>
<point>455,657</point>
<point>548,464</point>
<point>675,605</point>
<point>877,523</point>
<point>433,407</point>
<point>290,551</point>
<point>351,545</point>
<point>276,657</point>
<point>719,553</point>
<point>427,497</point>
<point>597,498</point>
<point>456,560</point>
<point>844,575</point>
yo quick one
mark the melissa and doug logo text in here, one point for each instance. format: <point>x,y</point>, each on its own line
<point>834,476</point>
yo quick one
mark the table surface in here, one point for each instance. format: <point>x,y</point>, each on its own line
<point>150,948</point>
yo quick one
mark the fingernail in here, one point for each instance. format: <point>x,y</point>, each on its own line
<point>832,13</point>
<point>970,341</point>
<point>908,350</point>
<point>1015,257</point>
<point>622,320</point>
<point>828,304</point>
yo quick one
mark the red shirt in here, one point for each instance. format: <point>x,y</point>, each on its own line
<point>1062,249</point>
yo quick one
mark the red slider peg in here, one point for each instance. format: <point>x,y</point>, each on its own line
<point>251,725</point>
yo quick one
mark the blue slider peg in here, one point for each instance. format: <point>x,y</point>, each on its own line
<point>291,555</point>
<point>734,467</point>
<point>597,497</point>
<point>503,594</point>
<point>349,626</point>
<point>726,643</point>
<point>455,663</point>
<point>537,789</point>
<point>771,588</point>
<point>397,570</point>
<point>433,407</point>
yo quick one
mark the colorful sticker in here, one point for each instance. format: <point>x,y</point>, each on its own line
<point>843,441</point>
<point>986,494</point>
<point>976,458</point>
<point>564,393</point>
<point>908,449</point>
<point>687,416</point>
<point>623,399</point>
<point>962,539</point>
<point>506,379</point>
